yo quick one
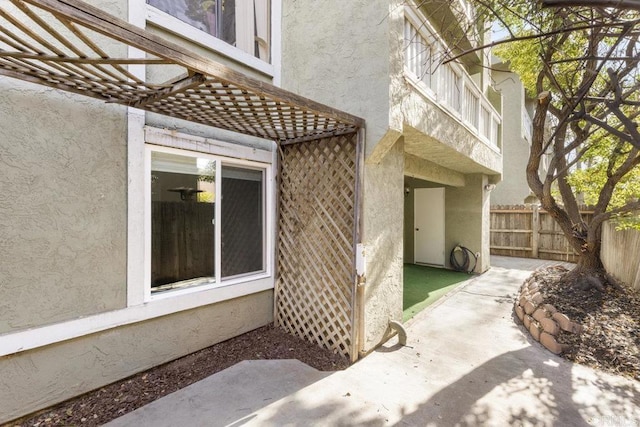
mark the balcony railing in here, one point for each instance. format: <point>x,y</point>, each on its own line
<point>449,85</point>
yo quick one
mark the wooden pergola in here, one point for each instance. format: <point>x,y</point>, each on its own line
<point>61,44</point>
<point>75,47</point>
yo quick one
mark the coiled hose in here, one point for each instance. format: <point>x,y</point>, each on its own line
<point>463,264</point>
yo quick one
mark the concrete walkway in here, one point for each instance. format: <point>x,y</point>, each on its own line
<point>466,363</point>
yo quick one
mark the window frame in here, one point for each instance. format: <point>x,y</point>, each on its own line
<point>221,158</point>
<point>184,30</point>
<point>424,31</point>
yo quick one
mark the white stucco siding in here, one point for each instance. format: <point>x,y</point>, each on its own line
<point>514,187</point>
<point>433,134</point>
<point>467,219</point>
<point>38,378</point>
<point>337,53</point>
<point>62,206</point>
<point>383,242</point>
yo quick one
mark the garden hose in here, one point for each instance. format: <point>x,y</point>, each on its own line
<point>463,264</point>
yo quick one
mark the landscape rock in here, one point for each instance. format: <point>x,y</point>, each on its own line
<point>550,326</point>
<point>534,329</point>
<point>540,314</point>
<point>527,321</point>
<point>563,321</point>
<point>537,298</point>
<point>550,343</point>
<point>529,307</point>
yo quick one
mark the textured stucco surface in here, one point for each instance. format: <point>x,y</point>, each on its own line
<point>428,171</point>
<point>62,206</point>
<point>513,188</point>
<point>432,134</point>
<point>383,232</point>
<point>354,62</point>
<point>39,378</point>
<point>340,56</point>
<point>467,219</point>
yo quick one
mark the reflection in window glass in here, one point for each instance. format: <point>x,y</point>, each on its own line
<point>241,23</point>
<point>242,221</point>
<point>182,221</point>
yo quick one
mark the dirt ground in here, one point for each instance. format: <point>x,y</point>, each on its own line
<point>610,342</point>
<point>102,405</point>
<point>611,320</point>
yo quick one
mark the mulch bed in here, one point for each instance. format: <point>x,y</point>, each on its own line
<point>610,342</point>
<point>107,403</point>
<point>611,338</point>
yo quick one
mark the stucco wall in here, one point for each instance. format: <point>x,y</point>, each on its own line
<point>62,206</point>
<point>39,378</point>
<point>467,219</point>
<point>383,240</point>
<point>351,58</point>
<point>339,56</point>
<point>63,246</point>
<point>514,187</point>
<point>444,140</point>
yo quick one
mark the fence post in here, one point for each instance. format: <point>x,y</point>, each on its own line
<point>535,231</point>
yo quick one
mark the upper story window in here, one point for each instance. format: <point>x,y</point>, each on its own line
<point>244,24</point>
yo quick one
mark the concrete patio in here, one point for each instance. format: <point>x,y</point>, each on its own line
<point>466,363</point>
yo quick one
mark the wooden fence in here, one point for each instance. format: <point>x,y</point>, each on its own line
<point>182,241</point>
<point>529,232</point>
<point>620,254</point>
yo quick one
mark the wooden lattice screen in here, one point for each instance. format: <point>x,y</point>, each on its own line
<point>315,284</point>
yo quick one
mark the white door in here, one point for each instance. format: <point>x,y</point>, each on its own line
<point>429,226</point>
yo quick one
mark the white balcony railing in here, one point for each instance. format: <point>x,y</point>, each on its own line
<point>449,84</point>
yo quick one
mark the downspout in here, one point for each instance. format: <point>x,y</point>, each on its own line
<point>359,253</point>
<point>402,332</point>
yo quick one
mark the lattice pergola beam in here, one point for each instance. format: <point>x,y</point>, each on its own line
<point>212,94</point>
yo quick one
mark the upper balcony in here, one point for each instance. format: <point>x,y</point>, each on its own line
<point>455,21</point>
<point>447,105</point>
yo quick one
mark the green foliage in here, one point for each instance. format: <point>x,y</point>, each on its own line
<point>208,172</point>
<point>523,58</point>
<point>568,53</point>
<point>206,197</point>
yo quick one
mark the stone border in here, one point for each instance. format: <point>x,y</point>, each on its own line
<point>542,321</point>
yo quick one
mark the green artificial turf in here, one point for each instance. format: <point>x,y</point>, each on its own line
<point>425,285</point>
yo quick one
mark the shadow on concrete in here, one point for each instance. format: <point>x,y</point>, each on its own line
<point>514,388</point>
<point>231,397</point>
<point>538,393</point>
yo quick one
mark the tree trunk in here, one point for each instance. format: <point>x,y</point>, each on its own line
<point>589,272</point>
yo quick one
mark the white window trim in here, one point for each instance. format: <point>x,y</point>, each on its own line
<point>138,307</point>
<point>183,29</point>
<point>220,162</point>
<point>37,337</point>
